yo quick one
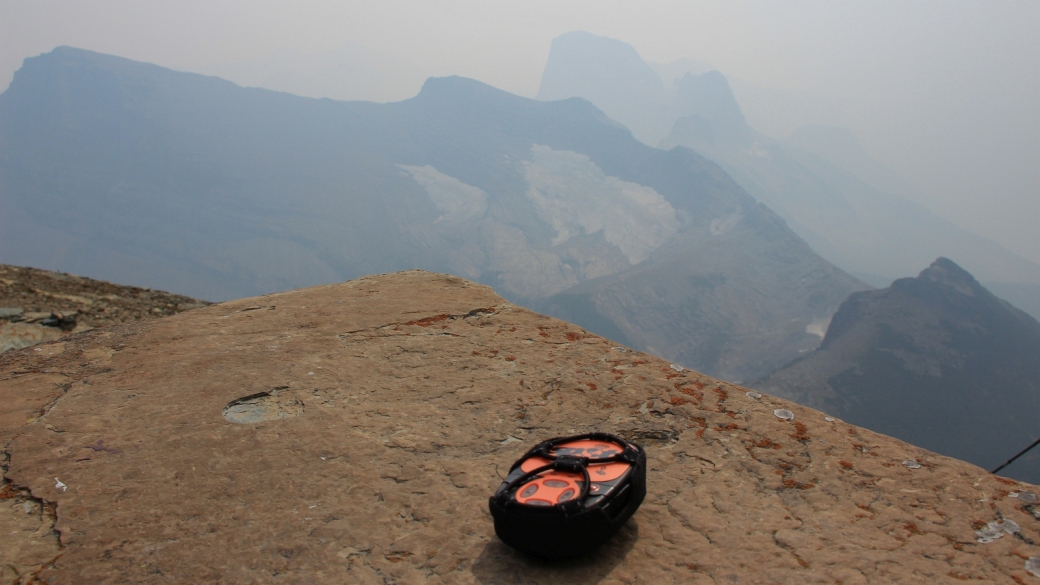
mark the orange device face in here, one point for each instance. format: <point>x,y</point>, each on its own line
<point>555,487</point>
<point>549,489</point>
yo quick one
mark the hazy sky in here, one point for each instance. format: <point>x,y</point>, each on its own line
<point>947,93</point>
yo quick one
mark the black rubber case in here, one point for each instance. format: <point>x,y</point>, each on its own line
<point>579,513</point>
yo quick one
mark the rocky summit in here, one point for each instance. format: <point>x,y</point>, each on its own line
<point>352,433</point>
<point>41,305</point>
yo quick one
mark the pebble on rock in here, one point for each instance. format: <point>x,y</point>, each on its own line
<point>1033,566</point>
<point>1027,497</point>
<point>912,463</point>
<point>784,414</point>
<point>995,530</point>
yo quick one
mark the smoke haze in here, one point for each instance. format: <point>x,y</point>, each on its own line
<point>945,94</point>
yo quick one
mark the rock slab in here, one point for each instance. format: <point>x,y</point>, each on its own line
<point>352,433</point>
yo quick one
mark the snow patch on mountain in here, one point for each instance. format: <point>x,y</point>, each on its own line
<point>457,201</point>
<point>576,197</point>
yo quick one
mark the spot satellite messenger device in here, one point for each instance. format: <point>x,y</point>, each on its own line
<point>569,495</point>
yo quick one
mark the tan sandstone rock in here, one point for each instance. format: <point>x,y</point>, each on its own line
<point>374,418</point>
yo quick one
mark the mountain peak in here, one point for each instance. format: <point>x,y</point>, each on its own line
<point>946,270</point>
<point>936,360</point>
<point>710,116</point>
<point>709,95</point>
<point>947,273</point>
<point>580,62</point>
<point>612,75</point>
<point>456,86</point>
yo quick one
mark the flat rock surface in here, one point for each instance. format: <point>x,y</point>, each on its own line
<point>373,418</point>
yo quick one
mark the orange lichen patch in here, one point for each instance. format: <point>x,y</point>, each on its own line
<point>678,401</point>
<point>866,450</point>
<point>790,483</point>
<point>511,358</point>
<point>845,464</point>
<point>512,329</point>
<point>1001,494</point>
<point>912,528</point>
<point>638,362</point>
<point>721,395</point>
<point>699,385</point>
<point>618,374</point>
<point>475,352</point>
<point>543,334</point>
<point>571,336</point>
<point>701,422</point>
<point>7,492</point>
<point>728,427</point>
<point>590,385</point>
<point>698,396</point>
<point>670,376</point>
<point>768,444</point>
<point>1005,481</point>
<point>863,506</point>
<point>429,320</point>
<point>800,432</point>
<point>785,466</point>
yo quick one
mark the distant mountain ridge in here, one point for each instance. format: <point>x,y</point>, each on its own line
<point>135,173</point>
<point>937,361</point>
<point>857,225</point>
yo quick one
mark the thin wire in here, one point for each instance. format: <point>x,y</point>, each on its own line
<point>1020,453</point>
